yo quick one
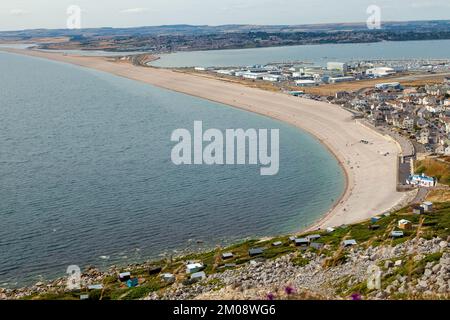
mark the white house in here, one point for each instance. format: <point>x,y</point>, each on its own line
<point>424,137</point>
<point>421,180</point>
<point>408,123</point>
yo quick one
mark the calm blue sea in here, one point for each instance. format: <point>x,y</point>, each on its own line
<point>86,176</point>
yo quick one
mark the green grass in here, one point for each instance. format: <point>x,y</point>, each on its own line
<point>300,261</point>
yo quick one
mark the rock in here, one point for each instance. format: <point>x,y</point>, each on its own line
<point>374,257</point>
<point>422,284</point>
<point>442,289</point>
<point>428,272</point>
<point>436,268</point>
<point>388,264</point>
<point>398,263</point>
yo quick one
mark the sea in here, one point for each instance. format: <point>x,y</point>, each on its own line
<point>312,54</point>
<point>86,176</point>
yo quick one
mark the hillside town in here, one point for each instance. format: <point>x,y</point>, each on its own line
<point>420,113</point>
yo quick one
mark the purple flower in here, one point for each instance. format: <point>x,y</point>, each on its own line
<point>270,297</point>
<point>356,296</point>
<point>289,290</point>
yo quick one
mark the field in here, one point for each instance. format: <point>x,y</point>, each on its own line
<point>438,168</point>
<point>439,195</point>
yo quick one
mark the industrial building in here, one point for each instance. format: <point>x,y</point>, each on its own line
<point>379,72</point>
<point>305,83</point>
<point>340,79</point>
<point>337,66</point>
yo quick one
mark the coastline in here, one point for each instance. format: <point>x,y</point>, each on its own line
<point>359,201</point>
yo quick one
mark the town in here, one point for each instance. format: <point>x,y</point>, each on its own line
<point>408,99</point>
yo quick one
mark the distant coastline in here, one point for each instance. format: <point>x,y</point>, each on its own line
<point>175,38</point>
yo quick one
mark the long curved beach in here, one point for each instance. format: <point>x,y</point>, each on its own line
<point>371,169</point>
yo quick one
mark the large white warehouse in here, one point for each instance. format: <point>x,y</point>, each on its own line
<point>380,72</point>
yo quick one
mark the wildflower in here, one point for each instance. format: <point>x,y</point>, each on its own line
<point>356,296</point>
<point>289,290</point>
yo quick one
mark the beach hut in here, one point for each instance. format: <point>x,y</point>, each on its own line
<point>418,210</point>
<point>405,224</point>
<point>374,227</point>
<point>292,239</point>
<point>168,277</point>
<point>375,219</point>
<point>349,243</point>
<point>198,276</point>
<point>397,234</point>
<point>194,267</point>
<point>427,206</point>
<point>154,270</point>
<point>277,243</point>
<point>132,283</point>
<point>330,229</point>
<point>227,255</point>
<point>95,287</point>
<point>302,242</point>
<point>84,297</point>
<point>124,276</point>
<point>255,252</point>
<point>313,237</point>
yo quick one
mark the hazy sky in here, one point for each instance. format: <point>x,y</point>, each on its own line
<point>26,14</point>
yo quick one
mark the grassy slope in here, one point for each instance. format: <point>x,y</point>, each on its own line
<point>432,224</point>
<point>435,168</point>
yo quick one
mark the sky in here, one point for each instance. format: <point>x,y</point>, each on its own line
<point>32,14</point>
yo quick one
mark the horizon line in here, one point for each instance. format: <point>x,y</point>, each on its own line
<point>224,25</point>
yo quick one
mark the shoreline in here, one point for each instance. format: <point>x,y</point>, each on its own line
<point>349,208</point>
